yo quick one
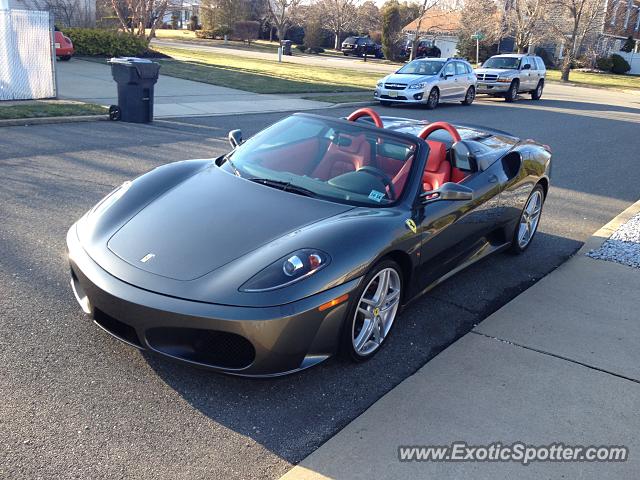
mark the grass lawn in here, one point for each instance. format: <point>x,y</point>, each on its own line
<point>262,76</point>
<point>608,80</point>
<point>48,108</point>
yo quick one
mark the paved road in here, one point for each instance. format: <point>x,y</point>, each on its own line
<point>371,65</point>
<point>78,404</point>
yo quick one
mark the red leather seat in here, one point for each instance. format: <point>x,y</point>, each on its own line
<point>438,169</point>
<point>341,159</point>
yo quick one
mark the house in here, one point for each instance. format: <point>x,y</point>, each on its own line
<point>80,13</point>
<point>181,13</point>
<point>621,21</point>
<point>438,25</point>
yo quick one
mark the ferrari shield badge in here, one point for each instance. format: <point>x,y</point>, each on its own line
<point>411,225</point>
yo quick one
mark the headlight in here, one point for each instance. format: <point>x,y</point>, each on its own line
<point>287,270</point>
<point>380,83</point>
<point>416,86</point>
<point>504,80</point>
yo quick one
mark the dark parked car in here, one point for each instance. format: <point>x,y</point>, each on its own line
<point>425,48</point>
<point>358,46</point>
<point>305,240</point>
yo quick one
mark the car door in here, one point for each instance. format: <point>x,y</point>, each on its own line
<point>463,80</point>
<point>454,231</point>
<point>526,72</point>
<point>447,83</point>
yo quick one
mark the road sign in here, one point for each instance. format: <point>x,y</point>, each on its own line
<point>478,36</point>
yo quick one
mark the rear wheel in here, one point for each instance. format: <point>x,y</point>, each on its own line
<point>512,93</point>
<point>373,311</point>
<point>537,93</point>
<point>433,99</point>
<point>529,220</point>
<point>470,96</point>
<point>65,58</point>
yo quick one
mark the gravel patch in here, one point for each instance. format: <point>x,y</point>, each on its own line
<point>623,246</point>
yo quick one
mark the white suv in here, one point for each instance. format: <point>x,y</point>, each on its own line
<point>510,74</point>
<point>429,81</point>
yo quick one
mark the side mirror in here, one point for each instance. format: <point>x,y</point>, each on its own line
<point>447,191</point>
<point>463,158</point>
<point>235,138</point>
<point>526,67</point>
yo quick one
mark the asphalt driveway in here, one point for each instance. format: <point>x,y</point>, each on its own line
<point>77,403</point>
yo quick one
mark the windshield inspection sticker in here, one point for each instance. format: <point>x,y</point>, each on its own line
<point>376,196</point>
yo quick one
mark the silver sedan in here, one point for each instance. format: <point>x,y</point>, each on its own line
<point>429,81</point>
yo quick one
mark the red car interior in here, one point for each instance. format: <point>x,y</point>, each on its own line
<point>348,153</point>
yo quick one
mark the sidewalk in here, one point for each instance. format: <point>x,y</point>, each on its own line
<point>174,97</point>
<point>559,363</point>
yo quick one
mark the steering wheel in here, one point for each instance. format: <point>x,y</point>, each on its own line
<point>432,127</point>
<point>364,112</point>
<point>376,172</point>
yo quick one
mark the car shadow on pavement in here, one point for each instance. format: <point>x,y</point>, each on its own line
<point>292,415</point>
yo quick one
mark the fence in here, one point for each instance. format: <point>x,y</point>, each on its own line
<point>634,61</point>
<point>27,55</point>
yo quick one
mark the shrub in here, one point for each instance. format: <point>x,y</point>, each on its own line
<point>246,30</point>
<point>619,64</point>
<point>604,64</point>
<point>546,57</point>
<point>301,48</point>
<point>209,34</point>
<point>193,23</point>
<point>316,50</point>
<point>105,43</point>
<point>629,45</point>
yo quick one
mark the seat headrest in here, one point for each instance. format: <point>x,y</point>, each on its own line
<point>437,155</point>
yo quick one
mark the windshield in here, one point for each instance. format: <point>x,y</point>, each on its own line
<point>422,67</point>
<point>327,159</point>
<point>511,63</point>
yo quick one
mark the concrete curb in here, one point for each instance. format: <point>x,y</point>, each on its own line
<point>23,122</point>
<point>600,236</point>
<point>594,87</point>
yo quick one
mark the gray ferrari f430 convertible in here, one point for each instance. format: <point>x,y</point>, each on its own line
<point>303,241</point>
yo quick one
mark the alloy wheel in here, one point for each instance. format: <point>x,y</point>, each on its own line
<point>432,101</point>
<point>376,311</point>
<point>529,219</point>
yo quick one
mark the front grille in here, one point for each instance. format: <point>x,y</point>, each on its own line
<point>395,86</point>
<point>116,328</point>
<point>399,97</point>
<point>208,347</point>
<point>487,77</point>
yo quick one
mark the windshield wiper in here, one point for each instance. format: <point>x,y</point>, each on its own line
<point>227,158</point>
<point>284,186</point>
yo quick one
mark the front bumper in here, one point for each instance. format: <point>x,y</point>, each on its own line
<point>239,340</point>
<point>400,96</point>
<point>492,87</point>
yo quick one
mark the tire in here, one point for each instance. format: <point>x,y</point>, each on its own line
<point>364,335</point>
<point>432,99</point>
<point>114,113</point>
<point>512,93</point>
<point>345,54</point>
<point>469,97</point>
<point>520,242</point>
<point>385,103</point>
<point>537,93</point>
<point>65,58</point>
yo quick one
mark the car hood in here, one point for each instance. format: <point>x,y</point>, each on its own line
<point>496,71</point>
<point>209,220</point>
<point>408,79</point>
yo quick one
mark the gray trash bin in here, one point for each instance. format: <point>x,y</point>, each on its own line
<point>286,47</point>
<point>136,78</point>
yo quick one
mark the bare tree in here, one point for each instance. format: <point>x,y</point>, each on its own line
<point>282,13</point>
<point>575,21</point>
<point>338,16</point>
<point>68,13</point>
<point>525,19</point>
<point>136,15</point>
<point>425,6</point>
<point>368,17</point>
<point>479,16</point>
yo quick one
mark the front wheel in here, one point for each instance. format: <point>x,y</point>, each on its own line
<point>537,93</point>
<point>529,220</point>
<point>470,96</point>
<point>373,311</point>
<point>512,93</point>
<point>433,99</point>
